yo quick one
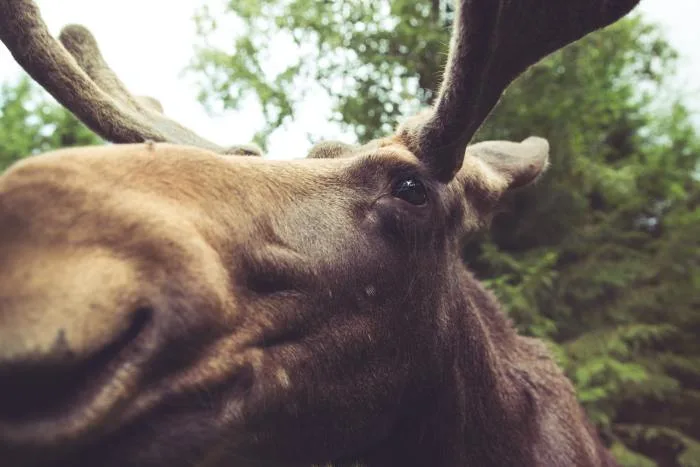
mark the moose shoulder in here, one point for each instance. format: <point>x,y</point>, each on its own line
<point>169,302</point>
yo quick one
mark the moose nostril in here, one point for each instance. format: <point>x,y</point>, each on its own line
<point>42,385</point>
<point>139,320</point>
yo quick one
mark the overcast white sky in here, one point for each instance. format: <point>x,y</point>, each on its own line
<point>149,42</point>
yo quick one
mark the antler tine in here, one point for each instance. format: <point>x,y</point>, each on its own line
<point>81,44</point>
<point>150,102</point>
<point>93,93</point>
<point>493,41</point>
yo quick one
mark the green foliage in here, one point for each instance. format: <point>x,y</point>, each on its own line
<point>619,212</point>
<point>341,46</point>
<point>30,124</point>
<point>601,257</point>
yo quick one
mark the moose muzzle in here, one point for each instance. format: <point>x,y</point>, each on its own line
<point>82,308</point>
<point>72,321</point>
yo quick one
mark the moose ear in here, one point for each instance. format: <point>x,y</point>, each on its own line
<point>331,150</point>
<point>518,163</point>
<point>243,150</point>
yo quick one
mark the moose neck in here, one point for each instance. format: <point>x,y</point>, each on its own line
<point>489,403</point>
<point>502,399</point>
<point>478,411</point>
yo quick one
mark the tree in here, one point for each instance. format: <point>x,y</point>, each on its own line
<point>30,124</point>
<point>341,46</point>
<point>601,257</point>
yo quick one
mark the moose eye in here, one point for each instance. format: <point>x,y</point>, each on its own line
<point>410,190</point>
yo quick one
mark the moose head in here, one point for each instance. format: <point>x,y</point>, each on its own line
<point>170,302</point>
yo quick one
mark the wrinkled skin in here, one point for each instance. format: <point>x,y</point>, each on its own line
<point>163,305</point>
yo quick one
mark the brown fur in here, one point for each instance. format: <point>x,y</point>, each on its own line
<point>167,305</point>
<point>286,312</point>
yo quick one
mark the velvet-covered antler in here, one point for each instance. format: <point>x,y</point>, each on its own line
<point>75,73</point>
<point>494,41</point>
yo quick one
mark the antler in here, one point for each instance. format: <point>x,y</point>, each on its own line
<point>76,74</point>
<point>493,41</point>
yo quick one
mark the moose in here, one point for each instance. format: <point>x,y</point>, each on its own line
<point>165,301</point>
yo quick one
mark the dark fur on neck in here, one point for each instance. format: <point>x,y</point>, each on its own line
<point>501,401</point>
